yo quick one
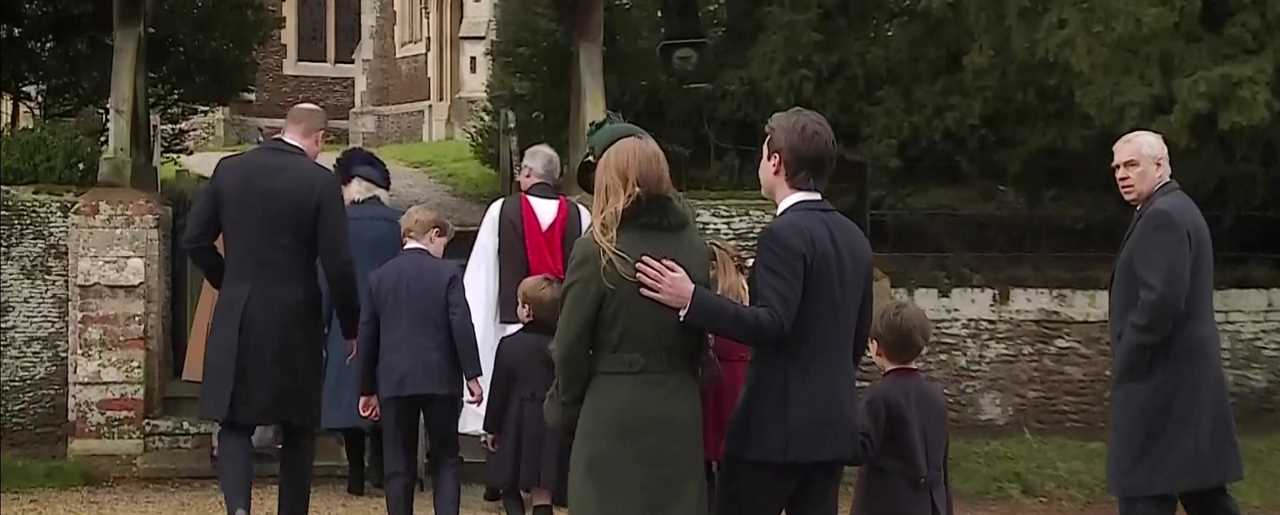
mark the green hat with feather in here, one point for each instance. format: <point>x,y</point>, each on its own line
<point>600,136</point>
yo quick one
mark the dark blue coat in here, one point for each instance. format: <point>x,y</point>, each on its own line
<point>374,231</point>
<point>1172,429</point>
<point>416,337</point>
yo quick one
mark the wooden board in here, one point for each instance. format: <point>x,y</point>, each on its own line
<point>193,368</point>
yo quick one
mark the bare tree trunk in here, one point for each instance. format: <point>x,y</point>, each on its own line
<point>586,100</point>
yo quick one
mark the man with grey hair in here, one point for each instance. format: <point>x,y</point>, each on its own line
<point>1173,437</point>
<point>525,234</point>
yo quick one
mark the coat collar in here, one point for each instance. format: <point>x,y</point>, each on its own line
<point>542,190</point>
<point>659,212</point>
<point>1165,189</point>
<point>282,146</point>
<point>809,205</point>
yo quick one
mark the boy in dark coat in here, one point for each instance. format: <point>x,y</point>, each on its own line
<point>903,437</point>
<point>419,347</point>
<point>527,454</point>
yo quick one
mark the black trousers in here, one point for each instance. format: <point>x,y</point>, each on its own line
<point>400,417</point>
<point>235,467</point>
<point>353,440</point>
<point>754,488</point>
<point>1215,501</point>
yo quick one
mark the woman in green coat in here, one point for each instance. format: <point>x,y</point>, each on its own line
<point>624,364</point>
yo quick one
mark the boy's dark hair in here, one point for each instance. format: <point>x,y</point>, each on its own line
<point>902,330</point>
<point>542,294</point>
<point>807,145</point>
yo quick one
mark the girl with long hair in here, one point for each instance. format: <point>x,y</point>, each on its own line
<point>625,366</point>
<point>720,396</point>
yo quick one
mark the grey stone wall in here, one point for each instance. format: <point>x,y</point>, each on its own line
<point>1040,358</point>
<point>736,221</point>
<point>374,126</point>
<point>33,319</point>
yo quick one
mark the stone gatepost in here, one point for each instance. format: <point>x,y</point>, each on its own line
<point>118,248</point>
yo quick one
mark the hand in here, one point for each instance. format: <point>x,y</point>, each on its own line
<point>476,391</point>
<point>491,443</point>
<point>665,282</point>
<point>369,407</point>
<point>351,350</point>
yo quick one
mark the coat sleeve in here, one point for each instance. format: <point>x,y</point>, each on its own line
<point>862,332</point>
<point>1162,252</point>
<point>777,280</point>
<point>464,334</point>
<point>499,389</point>
<point>582,293</point>
<point>871,424</point>
<point>335,255</point>
<point>204,226</point>
<point>370,341</point>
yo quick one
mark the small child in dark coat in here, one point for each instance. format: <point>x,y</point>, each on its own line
<point>903,436</point>
<point>528,455</point>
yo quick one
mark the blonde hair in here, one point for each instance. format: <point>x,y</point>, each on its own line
<point>632,167</point>
<point>420,220</point>
<point>728,271</point>
<point>358,190</point>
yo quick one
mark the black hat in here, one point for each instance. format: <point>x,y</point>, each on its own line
<point>602,135</point>
<point>358,162</point>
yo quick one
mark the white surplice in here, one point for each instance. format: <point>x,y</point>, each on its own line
<point>481,283</point>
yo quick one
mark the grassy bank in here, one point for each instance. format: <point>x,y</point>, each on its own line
<point>450,162</point>
<point>1068,470</point>
<point>18,474</point>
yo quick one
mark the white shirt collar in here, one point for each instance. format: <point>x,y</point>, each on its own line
<point>415,245</point>
<point>290,141</point>
<point>797,197</point>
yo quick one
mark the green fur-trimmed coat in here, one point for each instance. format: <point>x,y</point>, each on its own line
<point>629,369</point>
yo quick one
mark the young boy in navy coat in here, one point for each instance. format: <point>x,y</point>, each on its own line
<point>903,437</point>
<point>527,455</point>
<point>419,347</point>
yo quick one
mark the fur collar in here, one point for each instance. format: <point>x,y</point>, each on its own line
<point>658,212</point>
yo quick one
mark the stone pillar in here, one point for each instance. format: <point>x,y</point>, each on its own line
<point>118,255</point>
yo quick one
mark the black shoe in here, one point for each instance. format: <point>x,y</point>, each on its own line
<point>492,494</point>
<point>543,509</point>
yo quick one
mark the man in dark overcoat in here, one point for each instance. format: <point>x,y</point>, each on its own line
<point>795,426</point>
<point>277,211</point>
<point>1173,437</point>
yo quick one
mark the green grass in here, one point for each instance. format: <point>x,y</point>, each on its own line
<point>449,162</point>
<point>18,474</point>
<point>1067,470</point>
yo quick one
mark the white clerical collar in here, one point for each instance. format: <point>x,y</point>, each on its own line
<point>411,244</point>
<point>797,197</point>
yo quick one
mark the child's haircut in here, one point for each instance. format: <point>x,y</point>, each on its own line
<point>542,294</point>
<point>420,220</point>
<point>902,331</point>
<point>727,271</point>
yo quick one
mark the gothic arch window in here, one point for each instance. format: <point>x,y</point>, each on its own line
<point>320,37</point>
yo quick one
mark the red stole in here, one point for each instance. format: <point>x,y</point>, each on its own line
<point>545,249</point>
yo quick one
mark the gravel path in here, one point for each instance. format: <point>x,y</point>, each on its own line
<point>329,496</point>
<point>409,187</point>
